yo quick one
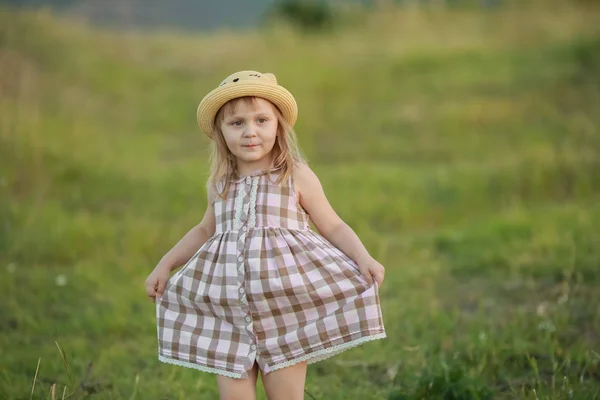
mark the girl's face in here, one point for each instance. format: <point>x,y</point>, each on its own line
<point>250,131</point>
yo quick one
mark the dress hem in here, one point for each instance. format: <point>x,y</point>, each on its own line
<point>309,358</point>
<point>199,367</point>
<point>327,353</point>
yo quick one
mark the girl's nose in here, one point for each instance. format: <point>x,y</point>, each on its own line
<point>250,131</point>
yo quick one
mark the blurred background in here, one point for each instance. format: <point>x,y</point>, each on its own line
<point>460,139</point>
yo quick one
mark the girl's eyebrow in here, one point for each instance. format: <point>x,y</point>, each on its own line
<point>253,115</point>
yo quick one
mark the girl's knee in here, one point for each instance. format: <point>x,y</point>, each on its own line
<point>238,389</point>
<point>238,396</point>
<point>287,383</point>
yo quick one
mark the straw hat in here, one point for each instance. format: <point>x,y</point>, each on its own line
<point>245,83</point>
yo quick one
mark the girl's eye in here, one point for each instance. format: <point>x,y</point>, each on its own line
<point>262,120</point>
<point>236,123</point>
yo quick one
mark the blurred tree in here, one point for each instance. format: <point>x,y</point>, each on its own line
<point>39,3</point>
<point>192,14</point>
<point>308,15</point>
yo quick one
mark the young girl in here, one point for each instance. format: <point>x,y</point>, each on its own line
<point>261,290</point>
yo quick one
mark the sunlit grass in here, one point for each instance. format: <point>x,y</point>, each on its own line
<point>462,145</point>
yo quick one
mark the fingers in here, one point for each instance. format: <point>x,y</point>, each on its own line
<point>379,275</point>
<point>162,283</point>
<point>367,275</point>
<point>155,286</point>
<point>376,274</point>
<point>151,288</point>
<point>151,292</point>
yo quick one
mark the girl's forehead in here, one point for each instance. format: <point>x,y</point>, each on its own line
<point>247,104</point>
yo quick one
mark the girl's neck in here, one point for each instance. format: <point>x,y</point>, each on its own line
<point>246,168</point>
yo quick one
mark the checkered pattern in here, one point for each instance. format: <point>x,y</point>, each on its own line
<point>265,288</point>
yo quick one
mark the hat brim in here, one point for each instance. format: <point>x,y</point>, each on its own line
<point>214,100</point>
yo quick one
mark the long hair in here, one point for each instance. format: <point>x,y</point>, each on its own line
<point>285,153</point>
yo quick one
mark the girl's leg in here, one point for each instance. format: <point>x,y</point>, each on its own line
<point>286,383</point>
<point>238,389</point>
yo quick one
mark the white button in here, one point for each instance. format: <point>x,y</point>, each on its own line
<point>244,229</point>
<point>240,258</point>
<point>248,319</point>
<point>247,179</point>
<point>241,290</point>
<point>253,347</point>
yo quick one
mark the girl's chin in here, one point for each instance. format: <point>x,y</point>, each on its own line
<point>250,157</point>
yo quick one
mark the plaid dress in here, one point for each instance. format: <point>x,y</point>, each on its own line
<point>265,288</point>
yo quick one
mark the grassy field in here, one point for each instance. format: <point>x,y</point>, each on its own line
<point>463,146</point>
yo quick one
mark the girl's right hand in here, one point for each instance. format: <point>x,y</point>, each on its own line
<point>157,281</point>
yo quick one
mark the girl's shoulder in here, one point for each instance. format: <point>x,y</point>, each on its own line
<point>211,193</point>
<point>216,191</point>
<point>305,180</point>
<point>304,173</point>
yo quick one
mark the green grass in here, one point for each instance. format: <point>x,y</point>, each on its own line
<point>462,146</point>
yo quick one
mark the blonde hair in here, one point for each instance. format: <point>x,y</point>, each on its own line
<point>285,153</point>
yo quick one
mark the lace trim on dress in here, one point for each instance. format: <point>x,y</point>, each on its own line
<point>326,353</point>
<point>238,208</point>
<point>198,367</point>
<point>253,190</point>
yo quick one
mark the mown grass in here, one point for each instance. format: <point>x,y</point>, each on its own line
<point>463,146</point>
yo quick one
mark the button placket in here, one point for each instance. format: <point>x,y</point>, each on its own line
<point>243,229</point>
<point>241,242</point>
<point>241,270</point>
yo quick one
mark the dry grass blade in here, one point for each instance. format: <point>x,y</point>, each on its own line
<point>35,378</point>
<point>135,388</point>
<point>82,384</point>
<point>53,391</point>
<point>470,173</point>
<point>309,395</point>
<point>65,362</point>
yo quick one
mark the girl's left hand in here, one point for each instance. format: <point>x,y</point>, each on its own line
<point>370,269</point>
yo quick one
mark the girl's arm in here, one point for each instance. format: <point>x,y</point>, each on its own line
<point>183,250</point>
<point>189,244</point>
<point>312,198</point>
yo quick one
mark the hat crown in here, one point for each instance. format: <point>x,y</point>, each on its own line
<point>243,84</point>
<point>245,76</point>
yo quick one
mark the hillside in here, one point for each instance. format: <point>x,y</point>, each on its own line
<point>463,147</point>
<point>181,14</point>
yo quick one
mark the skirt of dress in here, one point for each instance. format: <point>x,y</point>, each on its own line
<point>290,297</point>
